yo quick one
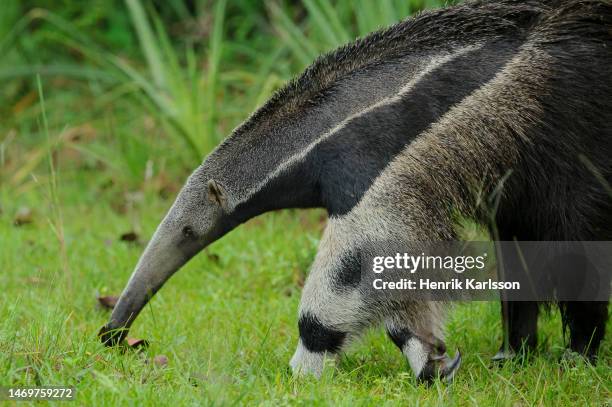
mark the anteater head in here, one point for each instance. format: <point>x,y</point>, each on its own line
<point>199,215</point>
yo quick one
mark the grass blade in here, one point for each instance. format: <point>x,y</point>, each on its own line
<point>147,41</point>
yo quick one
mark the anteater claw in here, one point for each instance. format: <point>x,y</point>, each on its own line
<point>503,356</point>
<point>442,367</point>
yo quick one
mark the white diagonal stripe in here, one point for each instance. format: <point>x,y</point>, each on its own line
<point>435,63</point>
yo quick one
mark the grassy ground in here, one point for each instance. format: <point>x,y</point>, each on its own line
<point>118,133</point>
<point>227,322</point>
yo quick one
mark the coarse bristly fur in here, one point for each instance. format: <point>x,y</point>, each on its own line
<point>506,103</point>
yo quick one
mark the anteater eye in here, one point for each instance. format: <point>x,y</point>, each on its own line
<point>188,232</point>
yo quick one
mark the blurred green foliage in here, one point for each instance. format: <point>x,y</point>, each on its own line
<point>160,83</point>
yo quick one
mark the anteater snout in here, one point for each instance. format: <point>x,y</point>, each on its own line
<point>111,336</point>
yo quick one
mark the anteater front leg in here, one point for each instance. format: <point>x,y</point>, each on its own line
<point>328,321</point>
<point>333,311</point>
<point>520,325</point>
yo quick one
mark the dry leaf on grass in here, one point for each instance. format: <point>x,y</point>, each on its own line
<point>160,360</point>
<point>135,343</point>
<point>213,257</point>
<point>108,301</point>
<point>129,237</point>
<point>23,216</point>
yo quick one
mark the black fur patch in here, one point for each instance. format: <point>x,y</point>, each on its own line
<point>349,273</point>
<point>352,159</point>
<point>400,336</point>
<point>316,337</point>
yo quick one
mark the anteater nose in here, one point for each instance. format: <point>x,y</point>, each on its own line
<point>111,336</point>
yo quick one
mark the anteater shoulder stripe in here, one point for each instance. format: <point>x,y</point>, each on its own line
<point>435,63</point>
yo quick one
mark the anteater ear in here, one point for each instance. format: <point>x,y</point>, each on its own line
<point>216,194</point>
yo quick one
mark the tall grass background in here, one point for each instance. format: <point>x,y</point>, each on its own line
<point>158,85</point>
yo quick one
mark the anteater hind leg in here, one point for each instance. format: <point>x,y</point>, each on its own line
<point>519,318</point>
<point>520,325</point>
<point>586,322</point>
<point>419,337</point>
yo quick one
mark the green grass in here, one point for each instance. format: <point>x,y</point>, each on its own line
<point>127,112</point>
